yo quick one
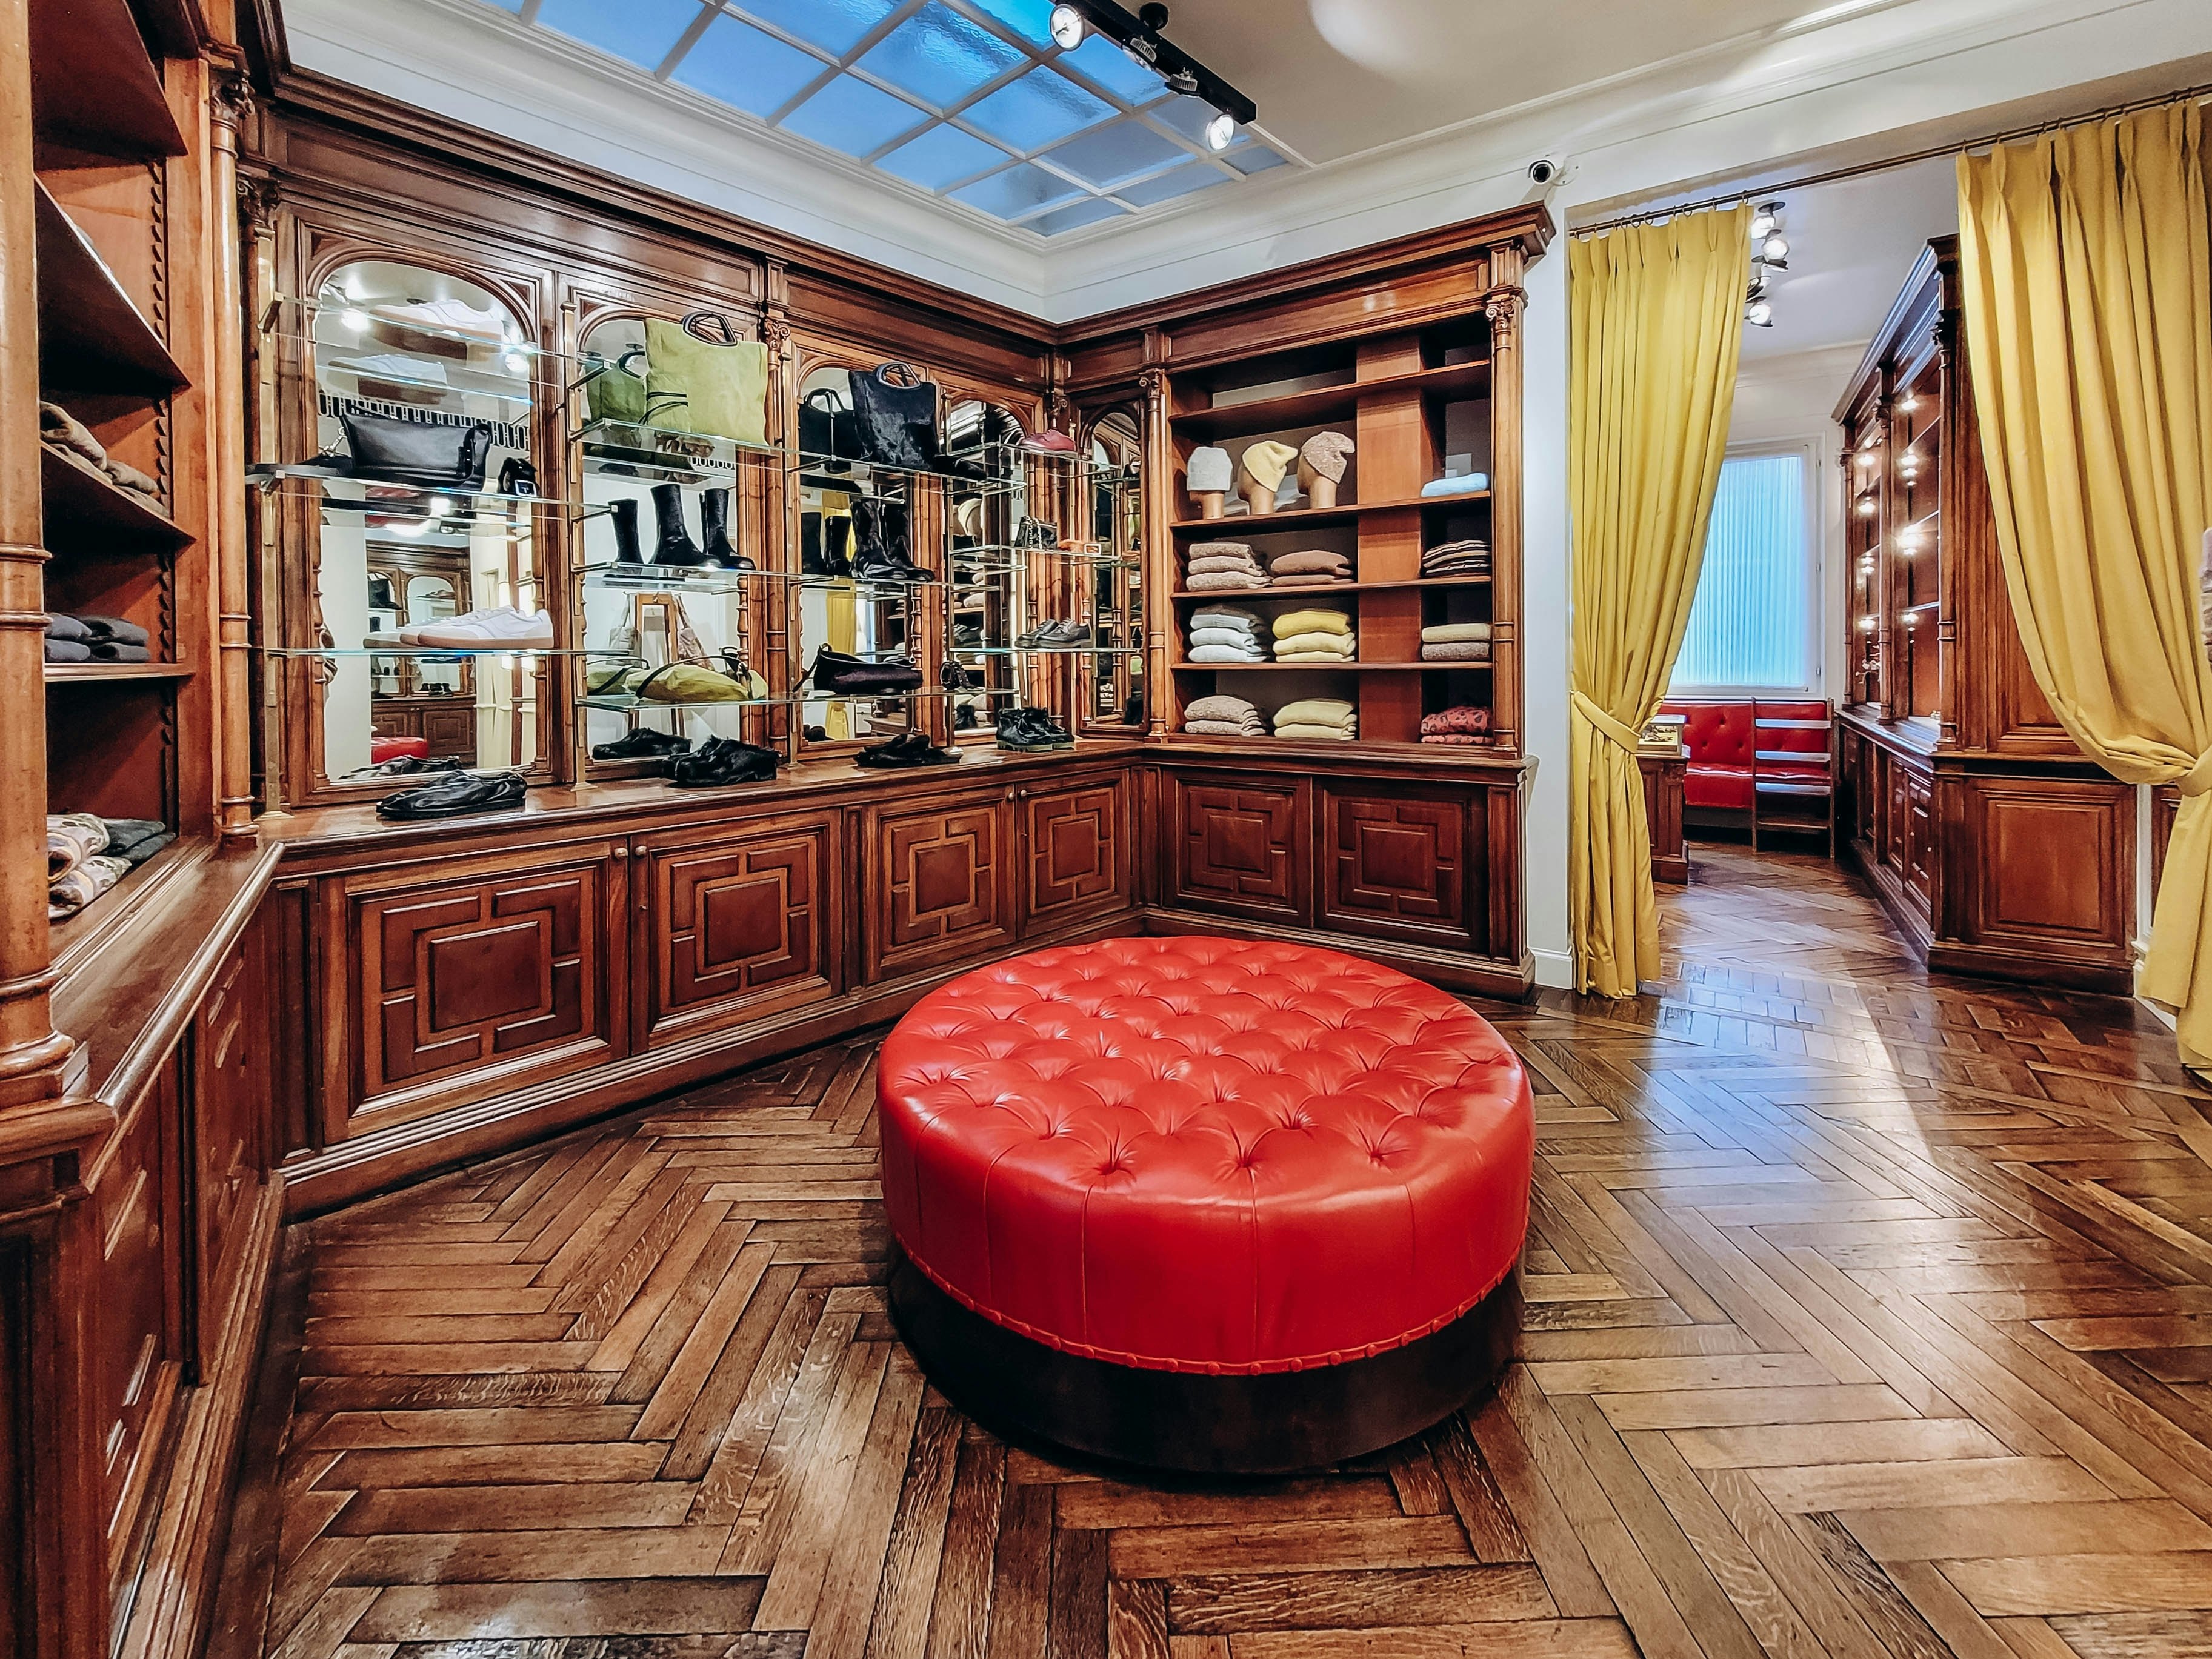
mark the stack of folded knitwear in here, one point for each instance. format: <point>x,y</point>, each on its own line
<point>1316,636</point>
<point>1466,726</point>
<point>1317,719</point>
<point>95,639</point>
<point>1224,717</point>
<point>1456,642</point>
<point>1468,557</point>
<point>68,437</point>
<point>1222,567</point>
<point>1316,567</point>
<point>87,855</point>
<point>1226,633</point>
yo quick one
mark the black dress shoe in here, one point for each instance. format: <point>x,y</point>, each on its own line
<point>908,748</point>
<point>454,794</point>
<point>1030,730</point>
<point>721,763</point>
<point>644,743</point>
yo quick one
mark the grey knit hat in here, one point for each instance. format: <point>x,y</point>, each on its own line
<point>1210,471</point>
<point>1325,453</point>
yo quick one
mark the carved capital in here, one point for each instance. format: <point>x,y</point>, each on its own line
<point>257,202</point>
<point>1153,383</point>
<point>230,101</point>
<point>1503,307</point>
<point>775,334</point>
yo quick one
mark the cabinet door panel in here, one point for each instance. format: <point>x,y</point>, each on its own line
<point>1075,847</point>
<point>1397,865</point>
<point>737,928</point>
<point>1241,847</point>
<point>940,884</point>
<point>1919,840</point>
<point>467,974</point>
<point>231,1104</point>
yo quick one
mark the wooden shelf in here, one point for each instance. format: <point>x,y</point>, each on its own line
<point>75,673</point>
<point>95,90</point>
<point>1309,594</point>
<point>1311,518</point>
<point>1333,667</point>
<point>83,499</point>
<point>1325,404</point>
<point>91,338</point>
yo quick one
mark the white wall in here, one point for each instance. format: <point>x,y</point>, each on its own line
<point>1546,615</point>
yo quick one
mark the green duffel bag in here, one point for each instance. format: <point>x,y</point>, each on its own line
<point>701,377</point>
<point>686,682</point>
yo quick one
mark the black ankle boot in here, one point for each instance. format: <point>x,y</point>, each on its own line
<point>674,544</point>
<point>898,542</point>
<point>811,562</point>
<point>868,551</point>
<point>837,546</point>
<point>627,549</point>
<point>714,531</point>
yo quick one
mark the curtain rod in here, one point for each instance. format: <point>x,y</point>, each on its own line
<point>1862,169</point>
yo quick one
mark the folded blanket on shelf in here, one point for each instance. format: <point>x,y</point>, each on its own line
<point>136,840</point>
<point>1466,483</point>
<point>1222,581</point>
<point>1226,728</point>
<point>1311,561</point>
<point>1220,706</point>
<point>1216,653</point>
<point>1455,632</point>
<point>1291,623</point>
<point>1462,717</point>
<point>1338,644</point>
<point>71,838</point>
<point>1318,711</point>
<point>1465,651</point>
<point>1317,733</point>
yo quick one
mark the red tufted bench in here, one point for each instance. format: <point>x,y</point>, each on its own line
<point>1204,1203</point>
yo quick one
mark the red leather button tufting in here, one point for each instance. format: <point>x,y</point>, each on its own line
<point>1205,1154</point>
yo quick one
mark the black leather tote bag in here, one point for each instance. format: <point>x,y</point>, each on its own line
<point>895,409</point>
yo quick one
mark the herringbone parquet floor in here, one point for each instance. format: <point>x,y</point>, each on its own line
<point>1867,1315</point>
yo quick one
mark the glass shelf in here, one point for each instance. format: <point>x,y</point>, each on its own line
<point>622,703</point>
<point>639,449</point>
<point>433,653</point>
<point>861,475</point>
<point>383,314</point>
<point>465,387</point>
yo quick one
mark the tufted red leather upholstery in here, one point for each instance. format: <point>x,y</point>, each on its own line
<point>1718,739</point>
<point>382,750</point>
<point>1205,1154</point>
<point>1801,739</point>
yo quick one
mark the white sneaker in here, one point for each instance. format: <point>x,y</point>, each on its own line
<point>501,628</point>
<point>392,366</point>
<point>450,316</point>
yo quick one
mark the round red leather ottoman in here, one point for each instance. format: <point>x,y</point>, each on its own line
<point>1204,1203</point>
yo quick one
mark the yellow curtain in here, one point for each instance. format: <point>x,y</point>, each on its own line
<point>2089,312</point>
<point>1656,319</point>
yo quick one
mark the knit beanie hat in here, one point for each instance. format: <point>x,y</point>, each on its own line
<point>1265,461</point>
<point>1209,471</point>
<point>1325,453</point>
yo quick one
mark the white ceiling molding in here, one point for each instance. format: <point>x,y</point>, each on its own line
<point>1867,74</point>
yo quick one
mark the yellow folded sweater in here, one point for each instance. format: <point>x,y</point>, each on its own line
<point>1295,622</point>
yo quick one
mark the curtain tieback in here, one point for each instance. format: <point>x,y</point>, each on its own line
<point>2197,779</point>
<point>1627,736</point>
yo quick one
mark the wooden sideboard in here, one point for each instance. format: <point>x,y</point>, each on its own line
<point>1664,777</point>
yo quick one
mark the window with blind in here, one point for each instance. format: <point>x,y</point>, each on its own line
<point>1751,624</point>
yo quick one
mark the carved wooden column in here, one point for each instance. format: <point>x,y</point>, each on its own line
<point>1503,306</point>
<point>227,487</point>
<point>32,1052</point>
<point>1159,562</point>
<point>774,601</point>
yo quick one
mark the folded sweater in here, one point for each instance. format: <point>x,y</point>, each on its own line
<point>1224,616</point>
<point>1220,706</point>
<point>1462,718</point>
<point>1235,636</point>
<point>1225,728</point>
<point>1311,561</point>
<point>1455,632</point>
<point>1231,653</point>
<point>1466,483</point>
<point>1340,645</point>
<point>1315,734</point>
<point>1222,581</point>
<point>1464,650</point>
<point>1291,623</point>
<point>1317,711</point>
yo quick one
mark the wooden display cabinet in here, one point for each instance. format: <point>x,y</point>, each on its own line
<point>1994,843</point>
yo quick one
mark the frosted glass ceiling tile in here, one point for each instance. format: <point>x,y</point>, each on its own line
<point>1120,151</point>
<point>852,116</point>
<point>1169,186</point>
<point>1253,158</point>
<point>641,31</point>
<point>833,25</point>
<point>1015,192</point>
<point>1031,19</point>
<point>1101,61</point>
<point>939,56</point>
<point>943,156</point>
<point>1039,109</point>
<point>738,63</point>
<point>1073,217</point>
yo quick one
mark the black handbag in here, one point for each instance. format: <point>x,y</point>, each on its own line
<point>826,429</point>
<point>838,673</point>
<point>419,453</point>
<point>896,410</point>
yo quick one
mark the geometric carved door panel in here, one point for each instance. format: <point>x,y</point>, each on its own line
<point>738,928</point>
<point>941,885</point>
<point>1396,866</point>
<point>1241,847</point>
<point>464,975</point>
<point>1078,857</point>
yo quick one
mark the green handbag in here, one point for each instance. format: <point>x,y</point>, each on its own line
<point>702,378</point>
<point>686,682</point>
<point>614,387</point>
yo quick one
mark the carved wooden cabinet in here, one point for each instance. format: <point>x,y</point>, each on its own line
<point>230,1038</point>
<point>735,924</point>
<point>1238,846</point>
<point>1397,865</point>
<point>475,984</point>
<point>937,883</point>
<point>1077,859</point>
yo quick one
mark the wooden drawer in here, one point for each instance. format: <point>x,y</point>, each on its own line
<point>939,884</point>
<point>1075,853</point>
<point>735,928</point>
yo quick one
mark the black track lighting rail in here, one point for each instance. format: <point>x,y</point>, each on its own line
<point>1139,34</point>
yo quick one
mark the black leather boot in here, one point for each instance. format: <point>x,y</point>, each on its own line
<point>811,562</point>
<point>837,545</point>
<point>673,544</point>
<point>714,531</point>
<point>868,553</point>
<point>627,549</point>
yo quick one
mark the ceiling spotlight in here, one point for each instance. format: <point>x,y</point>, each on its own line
<point>1142,34</point>
<point>1759,314</point>
<point>1067,28</point>
<point>1774,252</point>
<point>1184,81</point>
<point>1221,131</point>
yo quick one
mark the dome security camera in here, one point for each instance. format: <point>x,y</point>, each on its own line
<point>1544,170</point>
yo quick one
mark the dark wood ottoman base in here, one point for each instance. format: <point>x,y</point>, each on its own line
<point>1270,1424</point>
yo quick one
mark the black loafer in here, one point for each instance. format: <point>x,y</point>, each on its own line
<point>455,794</point>
<point>908,748</point>
<point>406,766</point>
<point>722,762</point>
<point>644,743</point>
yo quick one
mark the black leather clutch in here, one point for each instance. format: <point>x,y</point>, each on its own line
<point>432,457</point>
